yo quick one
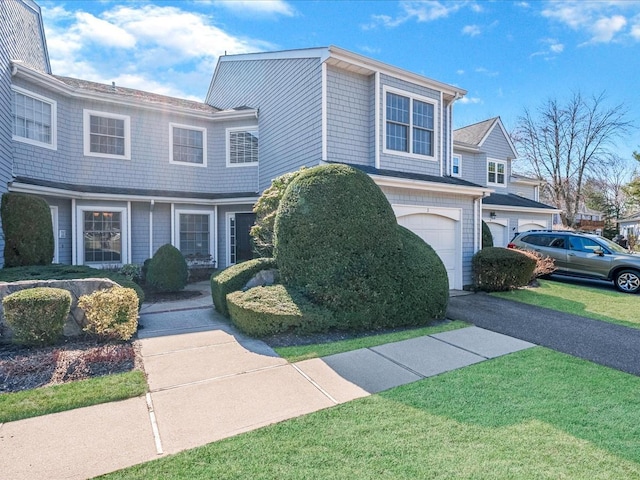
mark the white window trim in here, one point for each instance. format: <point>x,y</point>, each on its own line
<point>459,157</point>
<point>54,120</point>
<point>212,228</point>
<point>204,145</point>
<point>124,233</point>
<point>497,162</point>
<point>227,221</point>
<point>411,96</point>
<point>87,134</point>
<point>228,146</point>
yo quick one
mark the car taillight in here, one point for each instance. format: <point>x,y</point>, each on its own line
<point>512,245</point>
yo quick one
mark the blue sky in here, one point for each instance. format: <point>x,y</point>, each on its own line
<point>509,55</point>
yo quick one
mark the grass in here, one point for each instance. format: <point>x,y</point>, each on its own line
<point>606,305</point>
<point>83,393</point>
<point>535,414</point>
<point>305,352</point>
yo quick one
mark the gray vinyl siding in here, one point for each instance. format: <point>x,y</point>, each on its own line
<point>474,167</point>
<point>526,191</point>
<point>410,197</point>
<point>149,166</point>
<point>140,232</point>
<point>64,226</point>
<point>288,94</point>
<point>20,39</point>
<point>161,225</point>
<point>350,117</point>
<point>403,163</point>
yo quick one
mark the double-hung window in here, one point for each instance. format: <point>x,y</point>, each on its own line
<point>195,234</point>
<point>188,145</point>
<point>410,125</point>
<point>107,135</point>
<point>34,118</point>
<point>242,146</point>
<point>496,172</point>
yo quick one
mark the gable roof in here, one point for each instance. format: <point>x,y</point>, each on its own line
<point>476,134</point>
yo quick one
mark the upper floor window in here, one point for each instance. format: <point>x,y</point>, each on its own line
<point>242,146</point>
<point>496,172</point>
<point>107,135</point>
<point>188,145</point>
<point>456,166</point>
<point>34,118</point>
<point>410,125</point>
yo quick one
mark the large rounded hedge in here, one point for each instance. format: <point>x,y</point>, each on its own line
<point>168,270</point>
<point>336,238</point>
<point>28,231</point>
<point>487,236</point>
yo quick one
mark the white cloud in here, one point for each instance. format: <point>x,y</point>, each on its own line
<point>600,21</point>
<point>471,30</point>
<point>261,7</point>
<point>552,48</point>
<point>422,11</point>
<point>460,72</point>
<point>102,32</point>
<point>487,72</point>
<point>635,31</point>
<point>470,100</point>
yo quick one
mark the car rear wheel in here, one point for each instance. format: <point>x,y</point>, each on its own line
<point>628,281</point>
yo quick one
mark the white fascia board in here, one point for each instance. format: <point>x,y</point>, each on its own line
<point>58,192</point>
<point>52,83</point>
<point>511,208</point>
<point>317,52</point>
<point>411,184</point>
<point>377,66</point>
<point>525,181</point>
<point>457,146</point>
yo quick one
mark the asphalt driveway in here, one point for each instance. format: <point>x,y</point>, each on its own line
<point>608,344</point>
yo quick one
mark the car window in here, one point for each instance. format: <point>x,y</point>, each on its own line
<point>581,244</point>
<point>539,240</point>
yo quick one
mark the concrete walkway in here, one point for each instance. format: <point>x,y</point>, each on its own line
<point>207,381</point>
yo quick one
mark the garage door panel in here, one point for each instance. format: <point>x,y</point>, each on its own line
<point>440,233</point>
<point>499,234</point>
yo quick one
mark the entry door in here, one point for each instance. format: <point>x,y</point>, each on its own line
<point>244,249</point>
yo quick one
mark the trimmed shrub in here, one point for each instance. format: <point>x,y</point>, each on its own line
<point>131,271</point>
<point>268,310</point>
<point>234,278</point>
<point>336,239</point>
<point>423,281</point>
<point>487,237</point>
<point>498,269</point>
<point>67,272</point>
<point>37,315</point>
<point>167,270</point>
<point>265,209</point>
<point>111,313</point>
<point>28,231</point>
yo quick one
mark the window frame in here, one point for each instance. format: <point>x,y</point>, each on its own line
<point>453,165</point>
<point>497,162</point>
<point>124,234</point>
<point>412,97</point>
<point>86,125</point>
<point>228,132</point>
<point>212,228</point>
<point>54,119</point>
<point>204,145</point>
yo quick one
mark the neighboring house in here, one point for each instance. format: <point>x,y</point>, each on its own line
<point>483,153</point>
<point>630,226</point>
<point>126,171</point>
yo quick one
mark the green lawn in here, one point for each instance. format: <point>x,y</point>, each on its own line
<point>304,352</point>
<point>606,305</point>
<point>535,414</point>
<point>41,401</point>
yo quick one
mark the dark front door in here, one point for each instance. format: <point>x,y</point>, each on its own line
<point>244,249</point>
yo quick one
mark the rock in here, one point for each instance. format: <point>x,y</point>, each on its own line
<point>76,320</point>
<point>262,279</point>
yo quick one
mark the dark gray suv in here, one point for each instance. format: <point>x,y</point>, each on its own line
<point>584,255</point>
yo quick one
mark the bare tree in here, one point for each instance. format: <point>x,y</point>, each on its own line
<point>563,142</point>
<point>606,187</point>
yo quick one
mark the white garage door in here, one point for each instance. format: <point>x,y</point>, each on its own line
<point>440,233</point>
<point>499,234</point>
<point>525,227</point>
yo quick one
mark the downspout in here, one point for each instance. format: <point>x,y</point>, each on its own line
<point>323,112</point>
<point>376,119</point>
<point>129,252</point>
<point>74,234</point>
<point>441,134</point>
<point>476,207</point>
<point>450,107</point>
<point>151,205</point>
<point>173,224</point>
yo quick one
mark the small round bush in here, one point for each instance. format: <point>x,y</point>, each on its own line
<point>498,269</point>
<point>37,315</point>
<point>262,311</point>
<point>111,313</point>
<point>167,270</point>
<point>235,278</point>
<point>487,237</point>
<point>336,238</point>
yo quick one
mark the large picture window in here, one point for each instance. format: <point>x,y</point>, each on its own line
<point>242,146</point>
<point>106,135</point>
<point>410,125</point>
<point>34,118</point>
<point>195,235</point>
<point>188,145</point>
